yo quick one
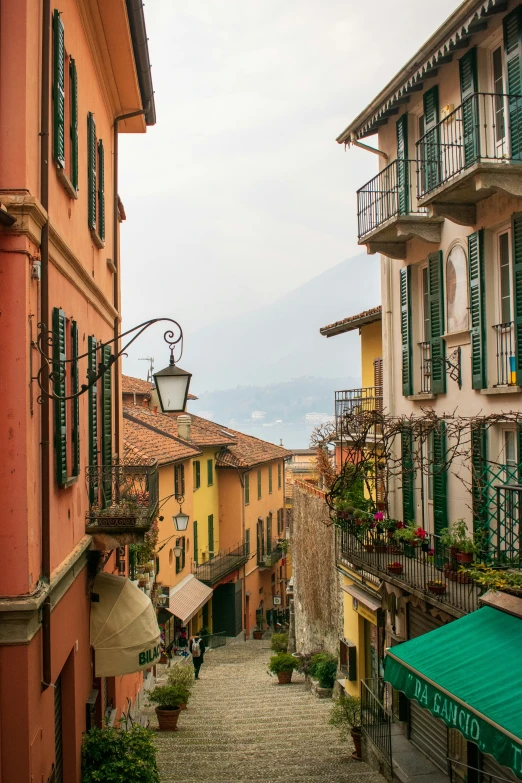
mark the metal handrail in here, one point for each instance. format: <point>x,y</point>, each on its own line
<point>505,344</point>
<point>222,564</point>
<point>389,194</point>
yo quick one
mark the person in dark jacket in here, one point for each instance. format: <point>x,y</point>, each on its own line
<point>197,648</point>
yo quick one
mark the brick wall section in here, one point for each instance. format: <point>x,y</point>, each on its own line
<point>317,583</point>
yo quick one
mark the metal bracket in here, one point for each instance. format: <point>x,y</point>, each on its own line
<point>452,363</point>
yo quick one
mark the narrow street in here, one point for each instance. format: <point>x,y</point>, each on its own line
<point>241,726</point>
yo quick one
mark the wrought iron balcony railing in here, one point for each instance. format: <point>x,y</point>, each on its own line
<point>376,715</point>
<point>425,368</point>
<point>222,564</point>
<point>427,567</point>
<point>390,194</point>
<point>505,344</point>
<point>123,498</point>
<point>350,402</point>
<point>271,556</point>
<point>485,127</point>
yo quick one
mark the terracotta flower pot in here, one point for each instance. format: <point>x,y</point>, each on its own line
<point>395,569</point>
<point>183,706</point>
<point>168,719</point>
<point>464,557</point>
<point>381,548</point>
<point>356,736</point>
<point>436,589</point>
<point>463,579</point>
<point>448,568</point>
<point>368,547</point>
<point>258,635</point>
<point>284,677</point>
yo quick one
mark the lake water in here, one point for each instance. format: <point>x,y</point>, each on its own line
<point>294,436</point>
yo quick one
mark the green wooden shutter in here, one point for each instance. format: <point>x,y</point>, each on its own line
<point>258,484</point>
<point>182,471</point>
<point>247,488</point>
<point>513,60</point>
<point>516,233</point>
<point>58,90</point>
<point>91,170</point>
<point>183,552</point>
<point>106,405</point>
<point>431,145</point>
<point>279,472</point>
<point>247,541</point>
<point>101,191</point>
<point>211,534</point>
<point>60,388</point>
<point>408,475</point>
<point>402,165</point>
<point>407,363</point>
<point>176,480</point>
<point>440,479</point>
<point>197,474</point>
<point>210,473</point>
<point>478,475</point>
<point>477,306</point>
<point>93,418</point>
<point>436,309</point>
<point>269,534</point>
<point>76,400</point>
<point>519,451</point>
<point>195,538</point>
<point>74,123</point>
<point>270,479</point>
<point>177,542</point>
<point>470,118</point>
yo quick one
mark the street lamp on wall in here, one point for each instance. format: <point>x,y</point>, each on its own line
<point>172,382</point>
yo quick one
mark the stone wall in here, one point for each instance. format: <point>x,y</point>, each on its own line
<point>317,583</point>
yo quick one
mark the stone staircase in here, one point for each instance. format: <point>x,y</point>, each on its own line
<point>242,727</point>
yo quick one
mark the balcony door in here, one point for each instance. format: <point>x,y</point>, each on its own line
<point>469,100</point>
<point>499,122</point>
<point>504,328</point>
<point>402,166</point>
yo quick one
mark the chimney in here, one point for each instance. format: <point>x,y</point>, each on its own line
<point>155,410</point>
<point>184,422</point>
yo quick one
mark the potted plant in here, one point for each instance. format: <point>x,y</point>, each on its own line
<point>124,753</point>
<point>283,664</point>
<point>395,567</point>
<point>462,546</point>
<point>437,587</point>
<point>346,716</point>
<point>279,642</point>
<point>169,699</point>
<point>326,670</point>
<point>183,676</point>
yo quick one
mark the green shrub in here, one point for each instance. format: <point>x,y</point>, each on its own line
<point>116,756</point>
<point>181,674</point>
<point>325,671</point>
<point>346,714</point>
<point>279,642</point>
<point>169,697</point>
<point>315,661</point>
<point>282,662</point>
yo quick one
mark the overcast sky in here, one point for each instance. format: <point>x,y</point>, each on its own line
<point>240,192</point>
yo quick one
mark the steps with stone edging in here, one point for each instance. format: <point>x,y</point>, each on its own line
<point>242,727</point>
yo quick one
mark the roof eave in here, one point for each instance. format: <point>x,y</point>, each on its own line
<point>350,327</point>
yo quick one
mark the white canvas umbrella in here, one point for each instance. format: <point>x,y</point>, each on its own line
<point>124,628</point>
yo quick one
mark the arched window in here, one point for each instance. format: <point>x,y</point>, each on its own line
<point>457,289</point>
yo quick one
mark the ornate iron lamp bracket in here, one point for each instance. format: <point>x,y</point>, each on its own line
<point>452,365</point>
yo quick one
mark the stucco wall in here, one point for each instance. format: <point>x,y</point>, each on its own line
<point>317,585</point>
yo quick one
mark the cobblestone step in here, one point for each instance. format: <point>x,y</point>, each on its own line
<point>242,727</point>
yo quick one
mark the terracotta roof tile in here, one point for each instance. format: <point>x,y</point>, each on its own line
<point>249,451</point>
<point>352,322</point>
<point>202,431</point>
<point>147,443</point>
<point>129,385</point>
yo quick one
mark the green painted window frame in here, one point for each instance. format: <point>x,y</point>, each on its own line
<point>247,489</point>
<point>210,472</point>
<point>477,309</point>
<point>406,340</point>
<point>408,475</point>
<point>91,171</point>
<point>92,395</point>
<point>196,470</point>
<point>195,541</point>
<point>270,479</point>
<point>179,480</point>
<point>259,485</point>
<point>64,329</point>
<point>516,259</point>
<point>436,296</point>
<point>211,535</point>
<point>279,475</point>
<point>58,90</point>
<point>247,541</point>
<point>101,191</point>
<point>73,77</point>
<point>76,401</point>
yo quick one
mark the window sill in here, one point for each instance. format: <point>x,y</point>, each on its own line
<point>98,241</point>
<point>67,184</point>
<point>454,339</point>
<point>71,480</point>
<point>421,397</point>
<point>502,390</point>
<point>112,266</point>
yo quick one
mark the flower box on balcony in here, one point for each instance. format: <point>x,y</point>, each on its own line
<point>368,547</point>
<point>381,548</point>
<point>395,568</point>
<point>437,588</point>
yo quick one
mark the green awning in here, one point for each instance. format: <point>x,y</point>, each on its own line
<point>469,674</point>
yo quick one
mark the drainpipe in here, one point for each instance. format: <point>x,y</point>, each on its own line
<point>116,281</point>
<point>44,305</point>
<point>367,147</point>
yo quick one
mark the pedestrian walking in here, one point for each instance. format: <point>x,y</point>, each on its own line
<point>197,648</point>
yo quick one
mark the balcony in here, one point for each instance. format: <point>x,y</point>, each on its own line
<point>388,213</point>
<point>123,501</point>
<point>470,154</point>
<point>425,367</point>
<point>273,554</point>
<point>222,564</point>
<point>505,354</point>
<point>349,403</point>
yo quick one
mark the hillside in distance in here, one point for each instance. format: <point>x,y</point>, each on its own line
<point>281,340</point>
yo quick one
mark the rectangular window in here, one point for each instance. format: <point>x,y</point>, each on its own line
<point>505,281</point>
<point>259,485</point>
<point>179,480</point>
<point>247,541</point>
<point>58,91</point>
<point>279,472</point>
<point>270,479</point>
<point>195,537</point>
<point>269,534</point>
<point>210,472</point>
<point>180,560</point>
<point>247,489</point>
<point>510,454</point>
<point>66,383</point>
<point>101,191</point>
<point>196,467</point>
<point>65,111</point>
<point>211,535</point>
<point>91,170</point>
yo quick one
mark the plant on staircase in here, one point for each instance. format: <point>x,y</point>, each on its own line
<point>325,670</point>
<point>183,675</point>
<point>114,755</point>
<point>279,642</point>
<point>283,664</point>
<point>346,716</point>
<point>169,699</point>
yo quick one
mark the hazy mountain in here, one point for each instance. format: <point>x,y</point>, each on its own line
<point>281,340</point>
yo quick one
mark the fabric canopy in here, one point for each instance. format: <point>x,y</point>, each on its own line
<point>124,629</point>
<point>187,598</point>
<point>468,674</point>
